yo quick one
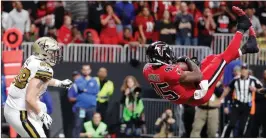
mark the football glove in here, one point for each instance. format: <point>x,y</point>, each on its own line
<point>65,83</point>
<point>182,59</point>
<point>195,60</point>
<point>46,119</point>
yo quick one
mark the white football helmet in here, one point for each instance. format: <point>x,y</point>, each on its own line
<point>48,50</point>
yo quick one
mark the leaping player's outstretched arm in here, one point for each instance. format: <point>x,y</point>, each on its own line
<point>34,88</point>
<point>192,76</point>
<point>57,83</point>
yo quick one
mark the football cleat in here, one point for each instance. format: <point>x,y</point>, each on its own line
<point>243,22</point>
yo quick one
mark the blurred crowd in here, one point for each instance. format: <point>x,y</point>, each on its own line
<point>129,22</point>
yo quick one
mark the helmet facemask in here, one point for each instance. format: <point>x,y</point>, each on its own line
<point>54,56</point>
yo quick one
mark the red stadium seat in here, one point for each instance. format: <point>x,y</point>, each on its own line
<point>94,34</point>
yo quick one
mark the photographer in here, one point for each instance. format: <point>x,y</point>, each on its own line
<point>165,125</point>
<point>133,108</point>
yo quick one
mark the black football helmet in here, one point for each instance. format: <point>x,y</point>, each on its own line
<point>160,53</point>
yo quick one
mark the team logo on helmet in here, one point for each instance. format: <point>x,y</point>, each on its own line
<point>160,49</point>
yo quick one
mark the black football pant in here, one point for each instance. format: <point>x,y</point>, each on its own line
<point>240,111</point>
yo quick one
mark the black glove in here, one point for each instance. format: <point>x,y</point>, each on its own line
<point>195,60</point>
<point>182,59</point>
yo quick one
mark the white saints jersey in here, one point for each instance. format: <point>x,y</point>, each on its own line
<point>32,68</point>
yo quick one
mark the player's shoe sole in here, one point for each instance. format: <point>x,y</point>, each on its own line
<point>243,22</point>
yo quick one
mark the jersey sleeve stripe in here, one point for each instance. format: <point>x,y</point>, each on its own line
<point>43,72</point>
<point>43,75</point>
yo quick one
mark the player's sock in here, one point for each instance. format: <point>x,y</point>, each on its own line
<point>232,51</point>
<point>252,31</point>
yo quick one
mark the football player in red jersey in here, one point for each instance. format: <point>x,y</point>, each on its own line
<point>196,86</point>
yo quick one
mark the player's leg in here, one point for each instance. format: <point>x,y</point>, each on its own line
<point>35,127</point>
<point>206,61</point>
<point>24,126</point>
<point>14,119</point>
<point>233,50</point>
<point>212,66</point>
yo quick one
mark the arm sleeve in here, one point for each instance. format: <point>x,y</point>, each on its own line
<point>227,101</point>
<point>154,6</point>
<point>258,26</point>
<point>43,75</point>
<point>85,127</point>
<point>47,99</point>
<point>218,91</point>
<point>96,88</point>
<point>117,9</point>
<point>72,91</point>
<point>123,98</point>
<point>177,20</point>
<point>263,91</point>
<point>133,15</point>
<point>41,71</point>
<point>9,21</point>
<point>258,84</point>
<point>111,91</point>
<point>27,25</point>
<point>192,22</point>
<point>3,92</point>
<point>227,75</point>
<point>232,85</point>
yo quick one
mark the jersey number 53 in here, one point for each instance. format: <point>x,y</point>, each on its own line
<point>160,89</point>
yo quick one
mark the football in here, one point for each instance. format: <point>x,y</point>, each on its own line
<point>183,66</point>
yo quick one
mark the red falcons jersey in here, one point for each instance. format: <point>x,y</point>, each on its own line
<point>165,81</point>
<point>159,7</point>
<point>148,25</point>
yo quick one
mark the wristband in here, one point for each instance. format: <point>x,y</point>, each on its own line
<point>40,114</point>
<point>57,83</point>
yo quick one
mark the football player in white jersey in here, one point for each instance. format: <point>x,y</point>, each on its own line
<point>23,109</point>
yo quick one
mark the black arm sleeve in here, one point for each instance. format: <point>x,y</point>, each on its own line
<point>258,84</point>
<point>263,91</point>
<point>123,99</point>
<point>232,85</point>
<point>218,91</point>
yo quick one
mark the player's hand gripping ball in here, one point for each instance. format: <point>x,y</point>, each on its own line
<point>183,66</point>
